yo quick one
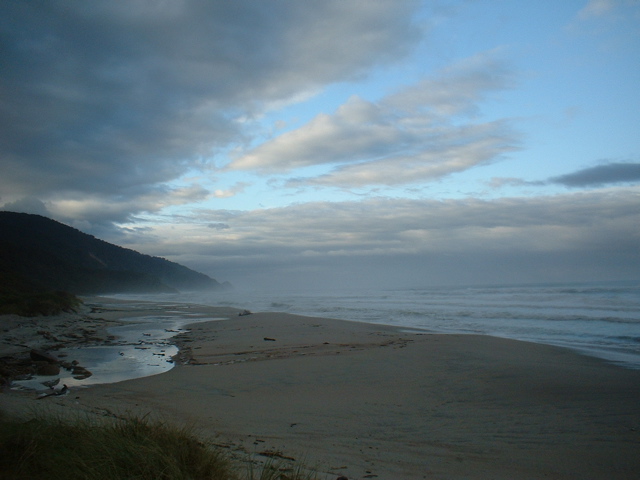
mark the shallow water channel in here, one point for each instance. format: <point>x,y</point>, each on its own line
<point>142,348</point>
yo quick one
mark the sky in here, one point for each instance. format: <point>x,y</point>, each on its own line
<point>333,144</point>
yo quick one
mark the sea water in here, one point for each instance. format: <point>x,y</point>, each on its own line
<point>601,320</point>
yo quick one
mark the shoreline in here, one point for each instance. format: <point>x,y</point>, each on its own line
<point>365,400</point>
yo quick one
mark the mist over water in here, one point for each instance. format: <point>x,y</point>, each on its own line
<point>601,320</point>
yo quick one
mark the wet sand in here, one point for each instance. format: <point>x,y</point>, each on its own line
<point>368,401</point>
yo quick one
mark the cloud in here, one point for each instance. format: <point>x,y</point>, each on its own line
<point>410,136</point>
<point>231,192</point>
<point>98,215</point>
<point>27,205</point>
<point>218,226</point>
<point>600,8</point>
<point>356,131</point>
<point>391,225</point>
<point>607,10</point>
<point>112,99</point>
<point>453,240</point>
<point>500,182</point>
<point>458,88</point>
<point>597,8</point>
<point>611,173</point>
<point>457,150</point>
<point>598,176</point>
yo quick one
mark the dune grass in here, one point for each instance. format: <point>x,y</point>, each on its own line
<point>135,448</point>
<point>51,448</point>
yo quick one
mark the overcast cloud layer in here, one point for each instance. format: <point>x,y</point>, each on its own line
<point>165,126</point>
<point>108,97</point>
<point>416,241</point>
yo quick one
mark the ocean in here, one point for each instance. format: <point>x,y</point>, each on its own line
<point>601,320</point>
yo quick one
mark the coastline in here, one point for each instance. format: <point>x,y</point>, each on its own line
<point>364,400</point>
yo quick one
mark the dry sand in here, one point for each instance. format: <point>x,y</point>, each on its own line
<point>368,401</point>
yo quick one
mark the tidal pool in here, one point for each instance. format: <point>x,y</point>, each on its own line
<point>142,348</point>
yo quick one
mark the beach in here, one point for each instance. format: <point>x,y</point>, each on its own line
<point>372,401</point>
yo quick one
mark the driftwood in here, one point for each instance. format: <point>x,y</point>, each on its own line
<point>63,391</point>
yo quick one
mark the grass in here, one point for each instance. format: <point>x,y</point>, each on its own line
<point>30,304</point>
<point>135,449</point>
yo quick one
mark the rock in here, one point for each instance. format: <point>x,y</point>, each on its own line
<point>80,373</point>
<point>40,356</point>
<point>47,369</point>
<point>268,339</point>
<point>47,335</point>
<point>51,383</point>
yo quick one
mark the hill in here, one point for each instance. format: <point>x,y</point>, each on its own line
<point>40,254</point>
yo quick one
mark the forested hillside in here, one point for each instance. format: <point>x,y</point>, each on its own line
<point>40,254</point>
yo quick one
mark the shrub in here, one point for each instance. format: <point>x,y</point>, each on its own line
<point>33,304</point>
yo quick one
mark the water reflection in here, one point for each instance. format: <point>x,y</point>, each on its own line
<point>143,348</point>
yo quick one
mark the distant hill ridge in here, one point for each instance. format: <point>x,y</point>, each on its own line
<point>39,254</point>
